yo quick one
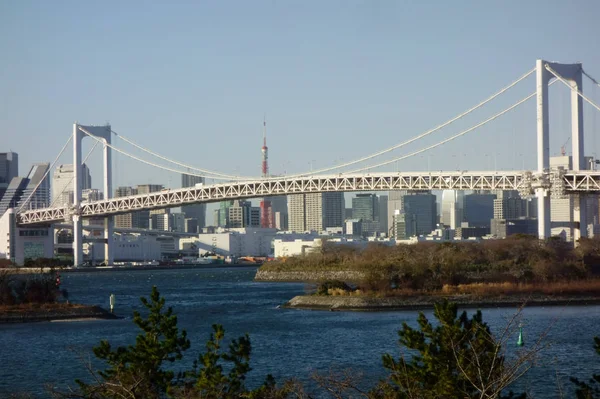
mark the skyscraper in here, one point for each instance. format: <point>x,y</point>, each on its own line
<point>9,169</point>
<point>394,203</point>
<point>315,211</point>
<point>452,208</point>
<point>21,189</point>
<point>124,220</point>
<point>479,209</point>
<point>366,208</point>
<point>419,212</point>
<point>62,184</point>
<point>196,211</point>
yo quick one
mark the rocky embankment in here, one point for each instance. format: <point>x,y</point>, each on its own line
<point>53,313</point>
<point>364,303</point>
<point>308,276</point>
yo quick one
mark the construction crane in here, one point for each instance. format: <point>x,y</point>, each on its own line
<point>563,149</point>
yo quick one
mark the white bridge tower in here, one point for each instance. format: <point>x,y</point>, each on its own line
<point>103,133</point>
<point>573,73</point>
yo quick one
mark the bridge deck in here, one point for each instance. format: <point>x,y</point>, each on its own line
<point>585,181</point>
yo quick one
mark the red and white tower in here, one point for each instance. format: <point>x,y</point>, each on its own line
<point>266,211</point>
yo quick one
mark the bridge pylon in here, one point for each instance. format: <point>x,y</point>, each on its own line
<point>102,133</point>
<point>573,73</point>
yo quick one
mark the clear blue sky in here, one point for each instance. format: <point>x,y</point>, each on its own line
<point>336,79</point>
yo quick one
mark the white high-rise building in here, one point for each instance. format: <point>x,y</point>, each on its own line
<point>62,184</point>
<point>196,211</point>
<point>562,221</point>
<point>315,211</point>
<point>452,208</point>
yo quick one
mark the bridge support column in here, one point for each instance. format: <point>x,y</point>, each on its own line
<point>579,217</point>
<point>77,230</point>
<point>543,148</point>
<point>77,241</point>
<point>108,221</point>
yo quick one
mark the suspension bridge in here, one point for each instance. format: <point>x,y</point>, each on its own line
<point>348,177</point>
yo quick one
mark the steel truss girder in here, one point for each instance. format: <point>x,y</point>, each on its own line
<point>283,186</point>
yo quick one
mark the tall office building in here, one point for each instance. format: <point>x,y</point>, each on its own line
<point>141,219</point>
<point>240,215</point>
<point>366,208</point>
<point>562,220</point>
<point>479,209</point>
<point>124,220</point>
<point>279,209</point>
<point>9,166</point>
<point>9,169</point>
<point>62,184</point>
<point>452,208</point>
<point>394,203</point>
<point>21,189</point>
<point>222,214</point>
<point>315,211</point>
<point>383,214</point>
<point>420,214</point>
<point>196,211</point>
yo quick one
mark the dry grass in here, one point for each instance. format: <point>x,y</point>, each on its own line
<point>580,287</point>
<point>563,288</point>
<point>34,307</point>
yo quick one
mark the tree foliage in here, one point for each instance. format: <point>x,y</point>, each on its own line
<point>137,371</point>
<point>458,358</point>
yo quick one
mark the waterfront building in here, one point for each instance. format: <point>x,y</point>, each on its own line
<point>255,241</point>
<point>479,209</point>
<point>62,184</point>
<point>21,243</point>
<point>195,211</point>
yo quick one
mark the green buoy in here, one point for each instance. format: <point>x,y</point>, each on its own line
<point>520,341</point>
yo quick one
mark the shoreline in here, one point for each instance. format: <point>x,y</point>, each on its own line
<point>50,313</point>
<point>383,304</point>
<point>100,269</point>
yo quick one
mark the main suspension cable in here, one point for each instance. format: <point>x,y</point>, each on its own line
<point>576,90</point>
<point>207,172</point>
<point>467,112</point>
<point>449,138</point>
<point>147,162</point>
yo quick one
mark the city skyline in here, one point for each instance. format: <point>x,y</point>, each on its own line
<point>304,79</point>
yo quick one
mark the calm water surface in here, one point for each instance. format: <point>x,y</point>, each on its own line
<point>285,342</point>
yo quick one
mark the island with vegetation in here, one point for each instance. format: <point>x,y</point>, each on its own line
<point>506,272</point>
<point>37,297</point>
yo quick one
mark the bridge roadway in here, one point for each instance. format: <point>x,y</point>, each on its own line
<point>570,183</point>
